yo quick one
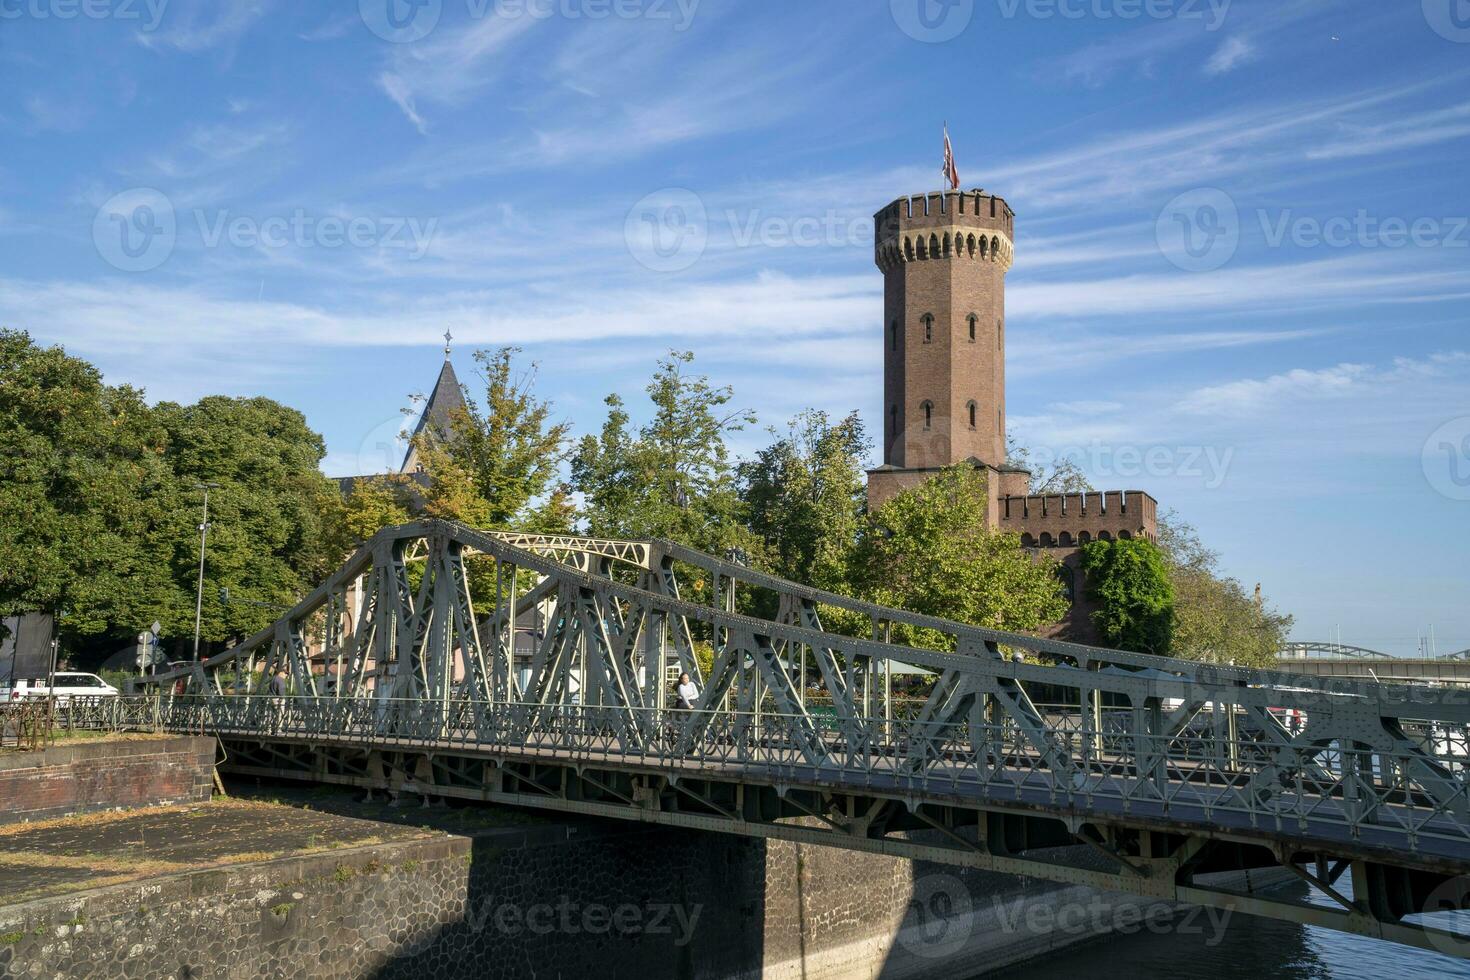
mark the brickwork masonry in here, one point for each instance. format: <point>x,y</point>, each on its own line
<point>108,774</point>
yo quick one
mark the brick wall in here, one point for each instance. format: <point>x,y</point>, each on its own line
<point>104,775</point>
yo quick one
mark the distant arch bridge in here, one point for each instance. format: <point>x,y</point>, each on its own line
<point>1357,663</point>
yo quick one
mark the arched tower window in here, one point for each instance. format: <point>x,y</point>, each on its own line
<point>972,414</point>
<point>1000,334</point>
<point>893,335</point>
<point>928,408</point>
<point>928,321</point>
<point>974,326</point>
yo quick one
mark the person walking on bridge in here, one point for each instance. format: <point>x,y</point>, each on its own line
<point>687,693</point>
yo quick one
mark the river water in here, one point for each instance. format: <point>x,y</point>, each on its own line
<point>1248,948</point>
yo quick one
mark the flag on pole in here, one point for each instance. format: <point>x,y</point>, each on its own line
<point>951,173</point>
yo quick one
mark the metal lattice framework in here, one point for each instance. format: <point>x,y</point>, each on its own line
<point>535,670</point>
<point>1312,650</point>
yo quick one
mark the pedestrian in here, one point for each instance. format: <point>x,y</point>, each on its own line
<point>686,693</point>
<point>278,684</point>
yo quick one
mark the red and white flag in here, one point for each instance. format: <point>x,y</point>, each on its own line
<point>951,174</point>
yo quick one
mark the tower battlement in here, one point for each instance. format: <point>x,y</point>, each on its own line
<point>1068,520</point>
<point>956,224</point>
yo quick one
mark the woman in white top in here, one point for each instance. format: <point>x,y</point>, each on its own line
<point>687,692</point>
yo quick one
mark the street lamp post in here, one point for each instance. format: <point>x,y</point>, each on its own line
<point>203,538</point>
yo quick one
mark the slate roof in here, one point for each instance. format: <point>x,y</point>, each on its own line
<point>446,398</point>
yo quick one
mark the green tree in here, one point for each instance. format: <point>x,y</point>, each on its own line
<point>930,550</point>
<point>371,504</point>
<point>82,488</point>
<point>1130,584</point>
<point>271,533</point>
<point>805,495</point>
<point>674,479</point>
<point>506,452</point>
<point>1215,620</point>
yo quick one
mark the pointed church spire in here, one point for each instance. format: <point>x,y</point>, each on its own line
<point>438,415</point>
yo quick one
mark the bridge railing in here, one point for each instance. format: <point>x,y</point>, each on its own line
<point>1221,770</point>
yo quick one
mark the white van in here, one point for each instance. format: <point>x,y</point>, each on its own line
<point>66,685</point>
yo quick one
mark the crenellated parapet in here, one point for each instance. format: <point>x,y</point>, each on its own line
<point>1069,520</point>
<point>958,225</point>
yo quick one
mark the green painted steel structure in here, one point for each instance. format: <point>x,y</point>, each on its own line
<point>406,674</point>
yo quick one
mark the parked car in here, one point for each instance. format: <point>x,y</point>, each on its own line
<point>66,685</point>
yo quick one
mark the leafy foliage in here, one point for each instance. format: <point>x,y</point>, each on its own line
<point>804,496</point>
<point>1215,620</point>
<point>1130,584</point>
<point>269,515</point>
<point>99,510</point>
<point>495,461</point>
<point>83,485</point>
<point>929,550</point>
<point>674,479</point>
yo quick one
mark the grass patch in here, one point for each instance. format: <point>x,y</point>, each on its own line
<point>11,938</point>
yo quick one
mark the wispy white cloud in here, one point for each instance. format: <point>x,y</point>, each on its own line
<point>199,27</point>
<point>49,112</point>
<point>1253,396</point>
<point>1403,131</point>
<point>1289,287</point>
<point>451,65</point>
<point>1230,55</point>
<point>1272,138</point>
<point>1141,49</point>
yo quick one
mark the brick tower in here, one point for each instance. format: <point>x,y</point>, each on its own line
<point>944,259</point>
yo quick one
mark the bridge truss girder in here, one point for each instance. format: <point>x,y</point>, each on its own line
<point>1171,865</point>
<point>1120,750</point>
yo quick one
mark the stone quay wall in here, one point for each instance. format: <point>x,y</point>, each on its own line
<point>563,900</point>
<point>109,774</point>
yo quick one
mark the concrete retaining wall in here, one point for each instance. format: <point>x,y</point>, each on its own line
<point>563,900</point>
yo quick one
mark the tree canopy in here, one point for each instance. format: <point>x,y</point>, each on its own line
<point>1130,584</point>
<point>101,506</point>
<point>1215,619</point>
<point>929,550</point>
<point>85,490</point>
<point>674,479</point>
<point>804,496</point>
<point>500,459</point>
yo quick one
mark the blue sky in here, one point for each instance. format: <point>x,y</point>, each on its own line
<point>1242,275</point>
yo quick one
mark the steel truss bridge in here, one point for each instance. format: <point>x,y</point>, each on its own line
<point>1016,754</point>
